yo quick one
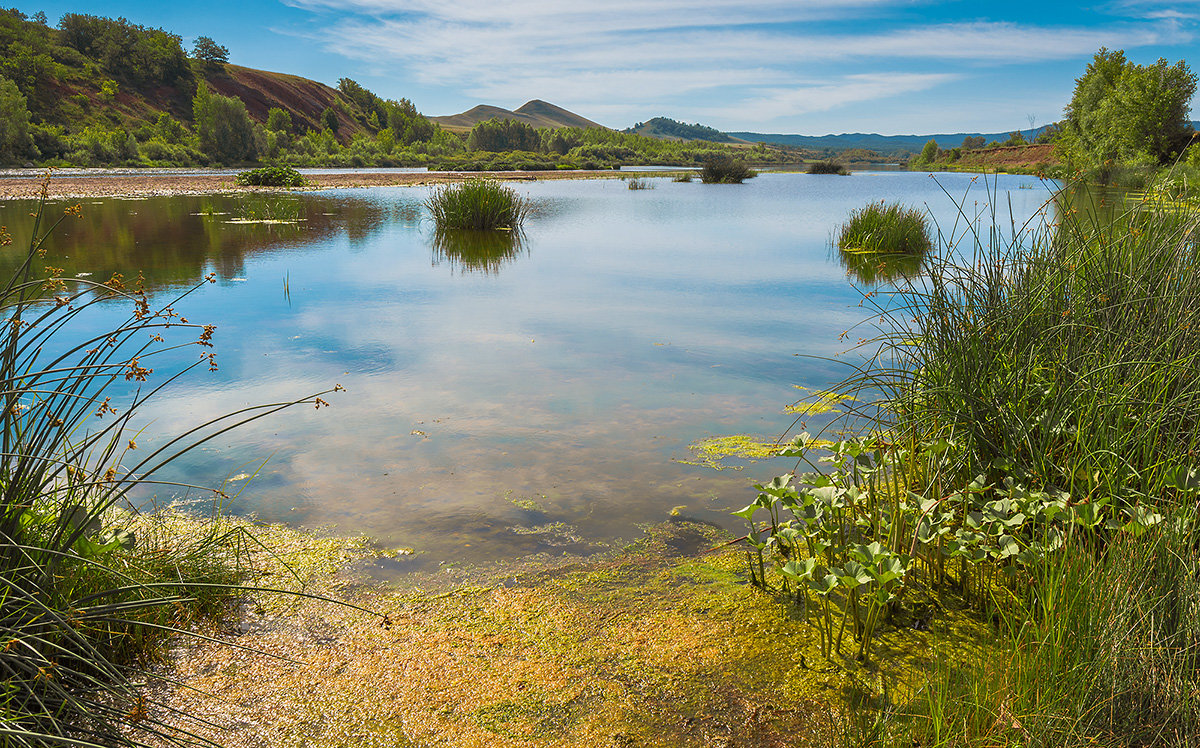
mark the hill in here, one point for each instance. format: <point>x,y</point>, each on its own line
<point>669,129</point>
<point>536,113</point>
<point>885,145</point>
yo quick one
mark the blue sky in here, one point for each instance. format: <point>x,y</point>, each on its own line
<point>801,66</point>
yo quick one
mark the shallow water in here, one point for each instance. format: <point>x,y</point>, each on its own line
<point>510,398</point>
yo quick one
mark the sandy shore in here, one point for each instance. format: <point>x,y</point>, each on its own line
<point>78,184</point>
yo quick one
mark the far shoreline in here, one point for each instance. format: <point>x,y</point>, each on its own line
<point>85,183</point>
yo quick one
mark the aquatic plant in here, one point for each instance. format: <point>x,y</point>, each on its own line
<point>685,177</point>
<point>82,597</point>
<point>479,204</point>
<point>1031,439</point>
<point>827,167</point>
<point>638,183</point>
<point>725,170</point>
<point>271,176</point>
<point>885,228</point>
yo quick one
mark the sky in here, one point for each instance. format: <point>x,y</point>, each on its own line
<point>810,67</point>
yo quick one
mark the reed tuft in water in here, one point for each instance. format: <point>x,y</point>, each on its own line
<point>882,228</point>
<point>477,204</point>
<point>725,170</point>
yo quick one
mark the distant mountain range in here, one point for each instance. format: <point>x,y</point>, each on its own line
<point>537,113</point>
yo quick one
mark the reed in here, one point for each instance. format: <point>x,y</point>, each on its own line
<point>725,170</point>
<point>83,599</point>
<point>882,228</point>
<point>477,204</point>
<point>828,167</point>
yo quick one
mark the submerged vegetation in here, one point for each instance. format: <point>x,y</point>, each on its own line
<point>477,205</point>
<point>1031,445</point>
<point>883,228</point>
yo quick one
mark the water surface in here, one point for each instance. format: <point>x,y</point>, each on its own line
<point>512,397</point>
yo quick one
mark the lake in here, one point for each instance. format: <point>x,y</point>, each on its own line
<point>537,396</point>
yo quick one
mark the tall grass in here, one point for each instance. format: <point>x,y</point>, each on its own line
<point>83,599</point>
<point>1031,424</point>
<point>882,228</point>
<point>478,204</point>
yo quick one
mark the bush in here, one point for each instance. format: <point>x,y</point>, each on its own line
<point>479,204</point>
<point>272,176</point>
<point>827,167</point>
<point>885,229</point>
<point>725,170</point>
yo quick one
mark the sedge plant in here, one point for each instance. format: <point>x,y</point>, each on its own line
<point>83,599</point>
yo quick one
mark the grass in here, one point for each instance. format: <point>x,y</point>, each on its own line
<point>882,228</point>
<point>87,593</point>
<point>639,183</point>
<point>1031,442</point>
<point>725,170</point>
<point>828,167</point>
<point>477,204</point>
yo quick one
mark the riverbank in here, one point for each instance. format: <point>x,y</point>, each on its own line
<point>131,183</point>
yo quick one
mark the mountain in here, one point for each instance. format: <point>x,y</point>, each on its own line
<point>537,113</point>
<point>882,144</point>
<point>666,128</point>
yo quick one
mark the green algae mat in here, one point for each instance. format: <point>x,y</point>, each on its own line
<point>662,644</point>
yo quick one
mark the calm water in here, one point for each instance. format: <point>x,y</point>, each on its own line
<point>501,400</point>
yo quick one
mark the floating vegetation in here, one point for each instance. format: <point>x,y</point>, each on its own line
<point>818,403</point>
<point>715,450</point>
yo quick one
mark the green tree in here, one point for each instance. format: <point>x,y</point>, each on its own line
<point>1122,112</point>
<point>929,153</point>
<point>973,142</point>
<point>279,120</point>
<point>329,119</point>
<point>15,142</point>
<point>225,129</point>
<point>503,135</point>
<point>209,52</point>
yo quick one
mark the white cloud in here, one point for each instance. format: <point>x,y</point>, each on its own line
<point>617,54</point>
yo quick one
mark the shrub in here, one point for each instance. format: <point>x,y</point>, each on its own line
<point>827,167</point>
<point>272,176</point>
<point>480,204</point>
<point>725,170</point>
<point>885,229</point>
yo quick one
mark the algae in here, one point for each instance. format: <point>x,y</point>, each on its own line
<point>644,648</point>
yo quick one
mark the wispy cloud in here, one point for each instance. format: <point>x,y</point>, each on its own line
<point>757,57</point>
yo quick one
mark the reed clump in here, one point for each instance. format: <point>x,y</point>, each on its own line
<point>725,170</point>
<point>885,228</point>
<point>477,204</point>
<point>828,167</point>
<point>87,592</point>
